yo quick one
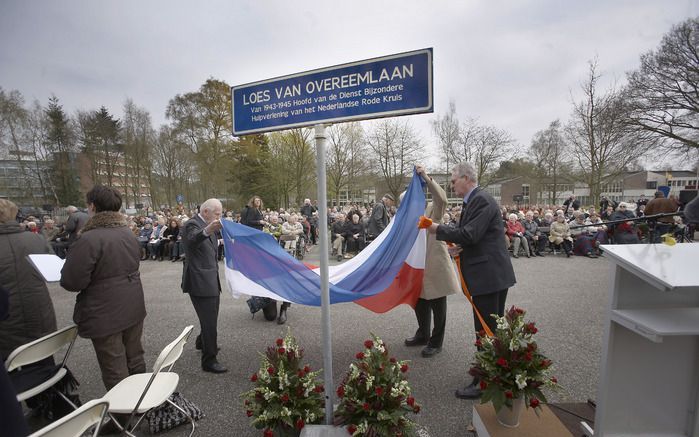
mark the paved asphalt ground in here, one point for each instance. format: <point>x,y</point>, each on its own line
<point>566,298</point>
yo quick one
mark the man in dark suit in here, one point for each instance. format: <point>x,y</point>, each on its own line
<point>71,229</point>
<point>200,278</point>
<point>485,263</point>
<point>379,216</point>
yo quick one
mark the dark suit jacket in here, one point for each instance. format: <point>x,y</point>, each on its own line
<point>485,263</point>
<point>200,270</point>
<point>74,224</point>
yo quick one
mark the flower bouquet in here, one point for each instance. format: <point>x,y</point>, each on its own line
<point>287,395</point>
<point>374,396</point>
<point>511,368</point>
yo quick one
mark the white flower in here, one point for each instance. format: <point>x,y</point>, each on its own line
<point>369,381</point>
<point>521,381</point>
<point>502,323</point>
<point>514,344</point>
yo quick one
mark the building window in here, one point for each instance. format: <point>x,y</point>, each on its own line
<point>651,185</point>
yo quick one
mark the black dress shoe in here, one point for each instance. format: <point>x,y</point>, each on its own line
<point>282,317</point>
<point>469,392</point>
<point>416,341</point>
<point>214,368</point>
<point>430,351</point>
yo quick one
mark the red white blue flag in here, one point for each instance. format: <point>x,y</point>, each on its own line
<point>387,273</point>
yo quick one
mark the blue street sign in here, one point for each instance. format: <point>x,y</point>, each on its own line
<point>392,85</point>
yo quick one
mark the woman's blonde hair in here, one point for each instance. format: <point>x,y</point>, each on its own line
<point>8,211</point>
<point>251,203</point>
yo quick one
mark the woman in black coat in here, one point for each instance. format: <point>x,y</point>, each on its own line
<point>252,214</point>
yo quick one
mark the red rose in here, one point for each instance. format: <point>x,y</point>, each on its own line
<point>341,391</point>
<point>501,362</point>
<point>404,368</point>
<point>481,333</point>
<point>528,356</point>
<point>379,391</point>
<point>554,380</point>
<point>531,327</point>
<point>508,394</point>
<point>281,351</point>
<point>366,406</point>
<point>519,310</point>
<point>360,355</point>
<point>416,409</point>
<point>318,389</point>
<point>306,369</point>
<point>410,401</point>
<point>268,433</point>
<point>290,354</point>
<point>484,385</point>
<point>478,343</point>
<point>393,360</point>
<point>545,363</point>
<point>300,424</point>
<point>280,342</point>
<point>285,398</point>
<point>270,370</point>
<point>534,403</point>
<point>249,413</point>
<point>301,374</point>
<point>351,429</point>
<point>368,344</point>
<point>253,378</point>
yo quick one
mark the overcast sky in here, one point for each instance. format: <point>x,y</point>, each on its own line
<point>513,64</point>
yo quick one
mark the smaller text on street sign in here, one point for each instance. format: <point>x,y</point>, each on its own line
<point>399,84</point>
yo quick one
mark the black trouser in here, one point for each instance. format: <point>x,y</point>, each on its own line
<point>207,312</point>
<point>423,311</point>
<point>270,310</point>
<point>487,304</point>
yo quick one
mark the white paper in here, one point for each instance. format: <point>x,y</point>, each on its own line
<point>48,265</point>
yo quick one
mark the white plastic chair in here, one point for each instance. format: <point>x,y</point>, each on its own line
<point>137,394</point>
<point>39,349</point>
<point>76,423</point>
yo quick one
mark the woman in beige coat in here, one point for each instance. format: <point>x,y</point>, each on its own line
<point>439,281</point>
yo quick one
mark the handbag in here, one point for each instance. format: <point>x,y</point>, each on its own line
<point>256,303</point>
<point>166,416</point>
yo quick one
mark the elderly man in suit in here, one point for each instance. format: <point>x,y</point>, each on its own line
<point>485,263</point>
<point>200,278</point>
<point>71,230</point>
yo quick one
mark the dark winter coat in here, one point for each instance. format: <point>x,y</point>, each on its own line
<point>102,266</point>
<point>31,314</point>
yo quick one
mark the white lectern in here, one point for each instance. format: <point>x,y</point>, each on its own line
<point>649,379</point>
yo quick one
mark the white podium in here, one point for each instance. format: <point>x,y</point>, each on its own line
<point>649,379</point>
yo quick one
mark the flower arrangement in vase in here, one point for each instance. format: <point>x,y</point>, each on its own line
<point>374,396</point>
<point>511,368</point>
<point>286,394</point>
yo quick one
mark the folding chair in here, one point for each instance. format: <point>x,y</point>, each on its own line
<point>140,393</point>
<point>38,350</point>
<point>76,423</point>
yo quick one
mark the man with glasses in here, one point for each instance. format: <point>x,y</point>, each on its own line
<point>485,263</point>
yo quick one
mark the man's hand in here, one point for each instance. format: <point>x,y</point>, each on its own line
<point>420,170</point>
<point>213,227</point>
<point>454,250</point>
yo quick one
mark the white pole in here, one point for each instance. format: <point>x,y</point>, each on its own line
<point>321,138</point>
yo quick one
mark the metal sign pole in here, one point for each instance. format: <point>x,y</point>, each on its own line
<point>321,138</point>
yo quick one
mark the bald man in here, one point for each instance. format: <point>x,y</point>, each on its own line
<point>200,278</point>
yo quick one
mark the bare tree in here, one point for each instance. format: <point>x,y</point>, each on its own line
<point>601,142</point>
<point>549,153</point>
<point>396,149</point>
<point>663,94</point>
<point>292,164</point>
<point>138,137</point>
<point>346,156</point>
<point>448,132</point>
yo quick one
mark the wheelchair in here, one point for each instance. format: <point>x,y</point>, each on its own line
<point>298,247</point>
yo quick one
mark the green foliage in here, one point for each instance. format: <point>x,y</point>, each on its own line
<point>59,139</point>
<point>286,394</point>
<point>375,395</point>
<point>510,364</point>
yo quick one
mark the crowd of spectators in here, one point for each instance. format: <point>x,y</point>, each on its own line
<point>535,230</point>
